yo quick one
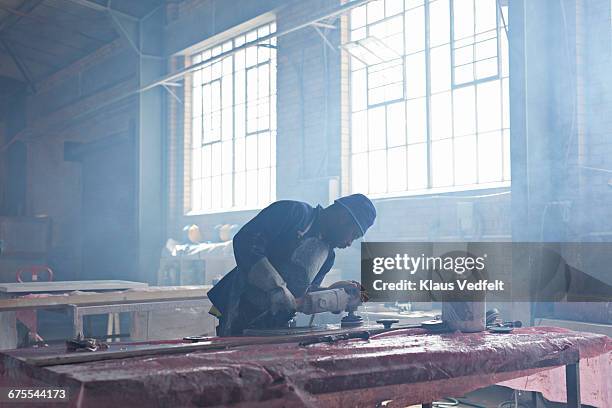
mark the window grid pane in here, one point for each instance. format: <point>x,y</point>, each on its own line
<point>436,115</point>
<point>234,125</point>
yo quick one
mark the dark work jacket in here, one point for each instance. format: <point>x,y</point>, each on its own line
<point>274,233</point>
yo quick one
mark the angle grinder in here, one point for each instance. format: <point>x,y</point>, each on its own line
<point>340,297</point>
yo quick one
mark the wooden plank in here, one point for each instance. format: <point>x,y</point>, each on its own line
<point>69,286</point>
<point>151,294</point>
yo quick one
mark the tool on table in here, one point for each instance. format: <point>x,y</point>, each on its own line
<point>332,338</point>
<point>81,343</point>
<point>496,325</point>
<point>435,326</point>
<point>387,323</point>
<point>334,300</point>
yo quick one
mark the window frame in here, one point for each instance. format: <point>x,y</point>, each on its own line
<point>500,76</point>
<point>235,39</point>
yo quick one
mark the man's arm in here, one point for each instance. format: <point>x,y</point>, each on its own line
<point>251,249</point>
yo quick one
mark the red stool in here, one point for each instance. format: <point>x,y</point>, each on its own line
<point>34,271</point>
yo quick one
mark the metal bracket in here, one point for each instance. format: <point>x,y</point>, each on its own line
<point>171,92</point>
<point>325,39</point>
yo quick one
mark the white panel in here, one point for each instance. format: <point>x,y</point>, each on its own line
<point>396,124</point>
<point>359,132</point>
<point>486,69</point>
<point>206,194</point>
<point>239,154</point>
<point>227,157</point>
<point>216,197</point>
<point>264,150</point>
<point>376,128</point>
<point>439,23</point>
<point>440,69</point>
<point>263,186</point>
<point>506,157</point>
<point>486,15</point>
<point>397,169</point>
<point>417,166</point>
<point>240,189</point>
<point>358,90</point>
<point>393,7</point>
<point>415,30</point>
<point>359,173</point>
<point>376,10</point>
<point>415,75</point>
<point>196,195</point>
<point>226,185</point>
<point>489,106</point>
<point>206,161</point>
<point>442,162</point>
<point>251,188</point>
<point>464,111</point>
<point>465,160</point>
<point>216,159</point>
<point>251,152</point>
<point>196,132</point>
<point>227,130</point>
<point>463,13</point>
<point>358,17</point>
<point>196,163</point>
<point>416,120</point>
<point>196,105</point>
<point>378,171</point>
<point>441,116</point>
<point>490,157</point>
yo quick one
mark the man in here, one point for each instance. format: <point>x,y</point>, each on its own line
<point>282,253</point>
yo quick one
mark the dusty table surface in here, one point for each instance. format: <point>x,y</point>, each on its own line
<point>407,366</point>
<point>68,286</point>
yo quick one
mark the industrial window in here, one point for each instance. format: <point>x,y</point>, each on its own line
<point>429,96</point>
<point>233,129</point>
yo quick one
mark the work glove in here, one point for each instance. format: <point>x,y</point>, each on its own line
<point>356,291</point>
<point>282,301</point>
<point>264,276</point>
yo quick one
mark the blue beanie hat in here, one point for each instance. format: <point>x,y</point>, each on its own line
<point>361,209</point>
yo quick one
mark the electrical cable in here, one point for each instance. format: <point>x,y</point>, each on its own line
<point>452,402</point>
<point>512,404</point>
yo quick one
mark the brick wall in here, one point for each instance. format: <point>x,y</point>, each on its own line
<point>57,113</point>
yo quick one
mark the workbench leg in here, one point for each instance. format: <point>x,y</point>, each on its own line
<point>109,327</point>
<point>572,385</point>
<point>8,331</point>
<point>77,322</point>
<point>117,329</point>
<point>139,329</point>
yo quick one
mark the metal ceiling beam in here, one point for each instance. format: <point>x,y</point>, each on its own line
<point>34,56</point>
<point>20,14</point>
<point>16,15</point>
<point>99,7</point>
<point>181,73</point>
<point>23,69</point>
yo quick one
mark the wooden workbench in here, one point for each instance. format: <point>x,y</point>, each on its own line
<point>401,367</point>
<point>11,289</point>
<point>139,300</point>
